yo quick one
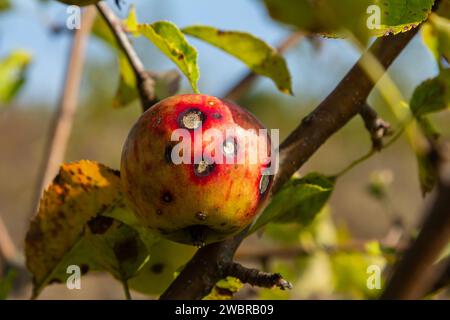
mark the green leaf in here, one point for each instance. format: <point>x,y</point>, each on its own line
<point>6,284</point>
<point>299,201</point>
<point>126,91</point>
<point>432,95</point>
<point>428,173</point>
<point>159,272</point>
<point>436,36</point>
<point>254,52</point>
<point>74,226</point>
<point>428,128</point>
<point>5,5</point>
<point>13,70</point>
<point>330,17</point>
<point>350,273</point>
<point>119,250</point>
<point>171,41</point>
<point>444,9</point>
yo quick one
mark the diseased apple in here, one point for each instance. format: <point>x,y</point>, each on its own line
<point>194,168</point>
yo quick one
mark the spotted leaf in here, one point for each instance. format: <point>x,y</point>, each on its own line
<point>80,222</point>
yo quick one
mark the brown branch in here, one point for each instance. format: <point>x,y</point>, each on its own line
<point>145,80</point>
<point>413,274</point>
<point>256,277</point>
<point>377,127</point>
<point>8,251</point>
<point>242,86</point>
<point>337,109</point>
<point>62,121</point>
<point>442,270</point>
<point>205,269</point>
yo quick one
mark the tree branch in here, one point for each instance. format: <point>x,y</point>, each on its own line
<point>337,109</point>
<point>442,269</point>
<point>412,276</point>
<point>8,251</point>
<point>63,119</point>
<point>144,80</point>
<point>256,277</point>
<point>206,268</point>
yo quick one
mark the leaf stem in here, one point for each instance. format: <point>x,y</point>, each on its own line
<point>369,154</point>
<point>354,164</point>
<point>126,290</point>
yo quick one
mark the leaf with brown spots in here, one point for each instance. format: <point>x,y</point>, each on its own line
<point>157,274</point>
<point>170,40</point>
<point>81,222</point>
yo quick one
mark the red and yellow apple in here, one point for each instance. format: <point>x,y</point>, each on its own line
<point>178,187</point>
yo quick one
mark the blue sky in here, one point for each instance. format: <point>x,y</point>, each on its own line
<point>314,72</point>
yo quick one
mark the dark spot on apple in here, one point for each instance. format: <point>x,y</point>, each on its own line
<point>203,168</point>
<point>167,197</point>
<point>201,216</point>
<point>191,119</point>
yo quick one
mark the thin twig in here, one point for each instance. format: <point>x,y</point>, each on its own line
<point>62,121</point>
<point>337,109</point>
<point>242,86</point>
<point>205,269</point>
<point>377,127</point>
<point>126,290</point>
<point>8,251</point>
<point>256,277</point>
<point>144,80</point>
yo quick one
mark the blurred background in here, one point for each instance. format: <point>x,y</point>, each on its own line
<point>354,214</point>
